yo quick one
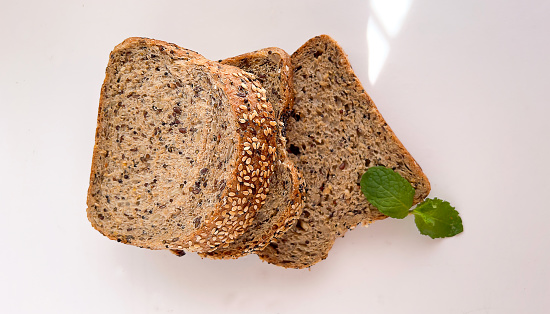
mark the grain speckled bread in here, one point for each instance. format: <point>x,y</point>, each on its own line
<point>272,67</point>
<point>334,134</point>
<point>285,199</point>
<point>184,149</point>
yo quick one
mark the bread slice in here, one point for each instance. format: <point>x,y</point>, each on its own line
<point>285,199</point>
<point>272,67</point>
<point>334,134</point>
<point>184,149</point>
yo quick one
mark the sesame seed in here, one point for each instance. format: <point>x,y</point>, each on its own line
<point>246,147</point>
<point>264,98</point>
<point>254,139</point>
<point>244,86</point>
<point>262,120</point>
<point>235,74</point>
<point>243,107</point>
<point>219,223</point>
<point>245,192</point>
<point>242,120</point>
<point>259,95</point>
<point>243,159</point>
<point>246,183</point>
<point>248,161</point>
<point>262,90</point>
<point>238,187</point>
<point>263,157</point>
<point>273,123</point>
<point>245,209</point>
<point>281,123</point>
<point>264,106</point>
<point>259,106</point>
<point>260,190</point>
<point>266,132</point>
<point>249,152</point>
<point>247,178</point>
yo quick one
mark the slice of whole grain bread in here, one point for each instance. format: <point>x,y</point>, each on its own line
<point>173,166</point>
<point>285,198</point>
<point>334,134</point>
<point>272,67</point>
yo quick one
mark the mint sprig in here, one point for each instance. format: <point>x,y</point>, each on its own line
<point>437,219</point>
<point>393,196</point>
<point>388,191</point>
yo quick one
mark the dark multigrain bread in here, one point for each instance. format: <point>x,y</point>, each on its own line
<point>272,66</point>
<point>173,166</point>
<point>285,199</point>
<point>334,134</point>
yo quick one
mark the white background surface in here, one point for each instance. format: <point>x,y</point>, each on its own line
<point>464,84</point>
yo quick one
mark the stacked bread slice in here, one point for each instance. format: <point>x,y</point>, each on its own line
<point>185,149</point>
<point>220,158</point>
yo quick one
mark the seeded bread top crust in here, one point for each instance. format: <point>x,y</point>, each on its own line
<point>285,199</point>
<point>334,134</point>
<point>282,209</point>
<point>160,101</point>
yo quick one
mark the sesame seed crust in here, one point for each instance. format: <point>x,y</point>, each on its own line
<point>252,148</point>
<point>276,216</point>
<point>260,233</point>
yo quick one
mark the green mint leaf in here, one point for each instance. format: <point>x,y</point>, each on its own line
<point>388,191</point>
<point>437,218</point>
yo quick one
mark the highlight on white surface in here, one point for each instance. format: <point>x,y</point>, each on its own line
<point>378,50</point>
<point>385,22</point>
<point>391,14</point>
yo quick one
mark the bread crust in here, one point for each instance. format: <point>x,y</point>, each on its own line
<point>256,127</point>
<point>274,65</point>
